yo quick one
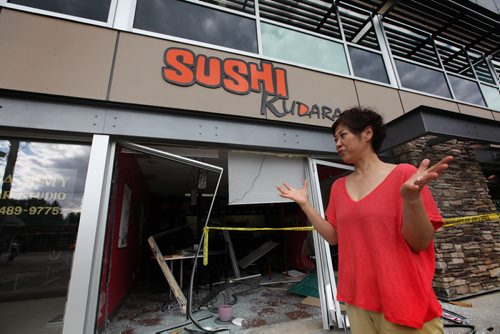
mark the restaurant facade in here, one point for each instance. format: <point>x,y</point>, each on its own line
<point>114,112</point>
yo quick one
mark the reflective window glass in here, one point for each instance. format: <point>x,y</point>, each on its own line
<point>492,97</point>
<point>303,49</point>
<point>246,6</point>
<point>89,9</point>
<point>422,79</point>
<point>195,22</point>
<point>466,90</point>
<point>40,203</point>
<point>483,72</point>
<point>368,65</point>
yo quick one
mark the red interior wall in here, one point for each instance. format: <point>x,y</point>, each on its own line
<point>296,254</point>
<point>119,277</point>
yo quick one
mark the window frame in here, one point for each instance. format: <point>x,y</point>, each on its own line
<point>109,22</point>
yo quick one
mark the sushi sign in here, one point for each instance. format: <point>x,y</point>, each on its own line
<point>185,68</point>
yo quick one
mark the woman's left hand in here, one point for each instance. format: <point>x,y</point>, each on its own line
<point>410,190</point>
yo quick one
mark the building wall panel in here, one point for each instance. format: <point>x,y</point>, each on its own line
<point>475,111</point>
<point>412,100</point>
<point>382,99</point>
<point>52,56</point>
<point>496,115</point>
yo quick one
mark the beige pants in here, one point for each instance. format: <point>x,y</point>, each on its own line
<point>368,322</point>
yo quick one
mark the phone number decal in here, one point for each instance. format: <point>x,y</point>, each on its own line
<point>32,210</point>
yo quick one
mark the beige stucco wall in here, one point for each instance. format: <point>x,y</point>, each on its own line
<point>52,56</point>
<point>411,101</point>
<point>496,115</point>
<point>475,111</point>
<point>383,100</point>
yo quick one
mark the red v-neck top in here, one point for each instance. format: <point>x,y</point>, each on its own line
<point>378,271</point>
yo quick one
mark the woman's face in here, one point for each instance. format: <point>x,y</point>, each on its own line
<point>350,145</point>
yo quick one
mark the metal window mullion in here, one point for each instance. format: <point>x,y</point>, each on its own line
<point>390,65</point>
<point>339,21</point>
<point>260,47</point>
<point>344,44</point>
<point>436,50</point>
<point>471,66</point>
<point>124,15</point>
<point>476,77</point>
<point>112,12</point>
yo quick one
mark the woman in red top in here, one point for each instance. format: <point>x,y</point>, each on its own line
<point>383,218</point>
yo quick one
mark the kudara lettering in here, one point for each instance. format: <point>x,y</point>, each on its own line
<point>271,104</point>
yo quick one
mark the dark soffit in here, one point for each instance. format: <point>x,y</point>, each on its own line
<point>425,120</point>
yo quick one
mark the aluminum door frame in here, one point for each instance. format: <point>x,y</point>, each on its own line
<point>83,294</point>
<point>327,286</point>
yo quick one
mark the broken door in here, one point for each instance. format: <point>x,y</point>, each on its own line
<point>322,174</point>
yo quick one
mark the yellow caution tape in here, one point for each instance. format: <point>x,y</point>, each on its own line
<point>207,228</point>
<point>470,219</point>
<point>448,223</point>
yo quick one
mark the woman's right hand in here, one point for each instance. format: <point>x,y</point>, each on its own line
<point>299,196</point>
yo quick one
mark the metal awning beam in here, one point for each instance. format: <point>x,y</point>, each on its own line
<point>327,15</point>
<point>383,9</point>
<point>435,34</point>
<point>425,120</point>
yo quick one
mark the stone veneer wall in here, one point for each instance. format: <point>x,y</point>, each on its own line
<point>467,255</point>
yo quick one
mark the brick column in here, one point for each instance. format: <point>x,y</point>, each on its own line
<point>468,255</point>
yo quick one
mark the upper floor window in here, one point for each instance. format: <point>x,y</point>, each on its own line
<point>245,6</point>
<point>368,65</point>
<point>466,90</point>
<point>303,48</point>
<point>492,96</point>
<point>315,16</point>
<point>89,9</point>
<point>195,22</point>
<point>422,79</point>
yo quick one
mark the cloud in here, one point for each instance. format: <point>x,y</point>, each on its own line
<point>48,171</point>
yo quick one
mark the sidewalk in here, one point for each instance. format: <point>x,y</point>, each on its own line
<point>484,315</point>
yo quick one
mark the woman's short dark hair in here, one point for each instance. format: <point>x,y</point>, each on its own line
<point>357,119</point>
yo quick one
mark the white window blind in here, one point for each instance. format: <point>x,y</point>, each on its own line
<point>253,177</point>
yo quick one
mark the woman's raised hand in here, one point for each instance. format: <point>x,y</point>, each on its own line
<point>424,174</point>
<point>297,195</point>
